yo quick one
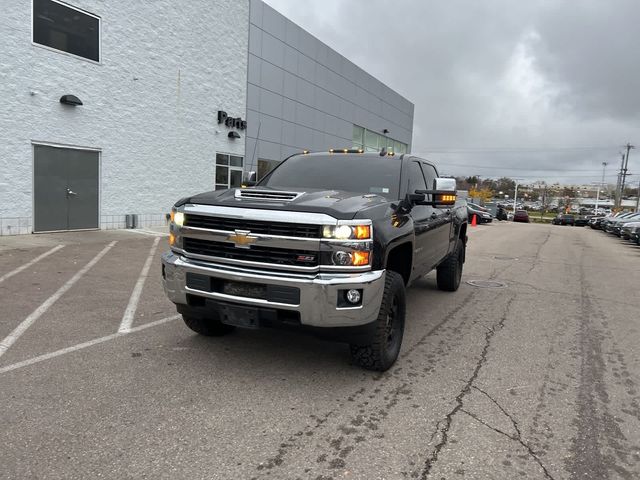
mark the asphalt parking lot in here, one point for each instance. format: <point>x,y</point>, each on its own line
<point>537,378</point>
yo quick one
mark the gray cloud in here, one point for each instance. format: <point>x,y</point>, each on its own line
<point>500,84</point>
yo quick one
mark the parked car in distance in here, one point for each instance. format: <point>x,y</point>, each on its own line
<point>521,216</point>
<point>634,236</point>
<point>482,214</point>
<point>615,226</point>
<point>564,219</point>
<point>581,221</point>
<point>596,222</point>
<point>628,228</point>
<point>608,222</point>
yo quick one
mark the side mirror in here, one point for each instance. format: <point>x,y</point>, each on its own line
<point>416,198</point>
<point>443,193</point>
<point>249,179</point>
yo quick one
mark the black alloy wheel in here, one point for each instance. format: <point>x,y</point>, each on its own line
<point>384,345</point>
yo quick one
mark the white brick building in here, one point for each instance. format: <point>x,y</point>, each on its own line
<point>152,77</point>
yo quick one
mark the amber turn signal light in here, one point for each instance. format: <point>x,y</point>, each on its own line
<point>172,239</point>
<point>362,232</point>
<point>360,259</point>
<point>447,199</point>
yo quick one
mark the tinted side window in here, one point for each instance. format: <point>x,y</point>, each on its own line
<point>430,174</point>
<point>416,179</point>
<point>66,29</point>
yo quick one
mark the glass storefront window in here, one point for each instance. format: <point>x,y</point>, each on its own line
<point>358,135</point>
<point>371,141</point>
<point>228,171</point>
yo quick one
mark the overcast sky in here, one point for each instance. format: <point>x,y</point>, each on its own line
<point>542,90</point>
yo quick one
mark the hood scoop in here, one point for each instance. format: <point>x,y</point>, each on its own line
<point>273,195</point>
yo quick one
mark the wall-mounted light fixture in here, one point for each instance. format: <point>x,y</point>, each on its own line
<point>233,134</point>
<point>70,100</point>
<point>385,131</point>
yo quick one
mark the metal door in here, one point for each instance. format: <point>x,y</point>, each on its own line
<point>441,220</point>
<point>65,188</point>
<point>423,223</point>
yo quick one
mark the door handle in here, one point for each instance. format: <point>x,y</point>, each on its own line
<point>71,193</point>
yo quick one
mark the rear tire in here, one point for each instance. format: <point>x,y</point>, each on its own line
<point>449,272</point>
<point>209,327</point>
<point>382,352</point>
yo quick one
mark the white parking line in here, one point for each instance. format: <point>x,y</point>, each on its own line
<point>80,346</point>
<point>37,313</point>
<point>127,318</point>
<point>150,233</point>
<point>32,262</point>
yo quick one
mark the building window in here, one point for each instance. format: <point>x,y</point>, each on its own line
<point>64,28</point>
<point>228,171</point>
<point>265,166</point>
<point>371,141</point>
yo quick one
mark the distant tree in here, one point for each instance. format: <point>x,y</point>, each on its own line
<point>484,194</point>
<point>506,185</point>
<point>490,184</point>
<point>461,183</point>
<point>473,181</point>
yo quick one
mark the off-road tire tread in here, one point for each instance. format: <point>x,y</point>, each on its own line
<point>447,271</point>
<point>372,356</point>
<point>208,327</point>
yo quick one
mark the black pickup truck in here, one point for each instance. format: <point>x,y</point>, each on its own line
<point>325,243</point>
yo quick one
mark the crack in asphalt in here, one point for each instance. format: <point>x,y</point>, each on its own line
<point>517,437</point>
<point>278,459</point>
<point>536,257</point>
<point>567,294</point>
<point>448,420</point>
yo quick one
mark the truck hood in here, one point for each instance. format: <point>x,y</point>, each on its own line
<point>337,203</point>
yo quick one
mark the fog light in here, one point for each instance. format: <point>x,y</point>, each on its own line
<point>353,296</point>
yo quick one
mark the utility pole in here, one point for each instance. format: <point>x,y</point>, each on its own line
<point>623,174</point>
<point>638,199</point>
<point>624,170</point>
<point>618,197</point>
<point>515,195</point>
<point>604,165</point>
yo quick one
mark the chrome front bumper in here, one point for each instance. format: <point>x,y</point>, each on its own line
<point>318,292</point>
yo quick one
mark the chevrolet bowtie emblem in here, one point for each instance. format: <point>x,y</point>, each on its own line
<point>242,238</point>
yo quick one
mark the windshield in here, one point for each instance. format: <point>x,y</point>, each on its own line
<point>349,172</point>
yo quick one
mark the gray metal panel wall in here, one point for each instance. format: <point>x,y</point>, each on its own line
<point>301,94</point>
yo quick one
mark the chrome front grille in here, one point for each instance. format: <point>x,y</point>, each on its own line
<point>253,238</point>
<point>257,253</point>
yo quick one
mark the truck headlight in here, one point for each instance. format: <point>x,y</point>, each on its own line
<point>176,222</point>
<point>347,232</point>
<point>177,218</point>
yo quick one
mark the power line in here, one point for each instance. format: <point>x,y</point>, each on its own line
<point>515,149</point>
<point>541,176</point>
<point>499,167</point>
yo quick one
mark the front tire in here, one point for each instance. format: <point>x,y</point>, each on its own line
<point>209,327</point>
<point>449,272</point>
<point>382,352</point>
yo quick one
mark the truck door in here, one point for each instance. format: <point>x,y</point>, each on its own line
<point>442,220</point>
<point>423,221</point>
